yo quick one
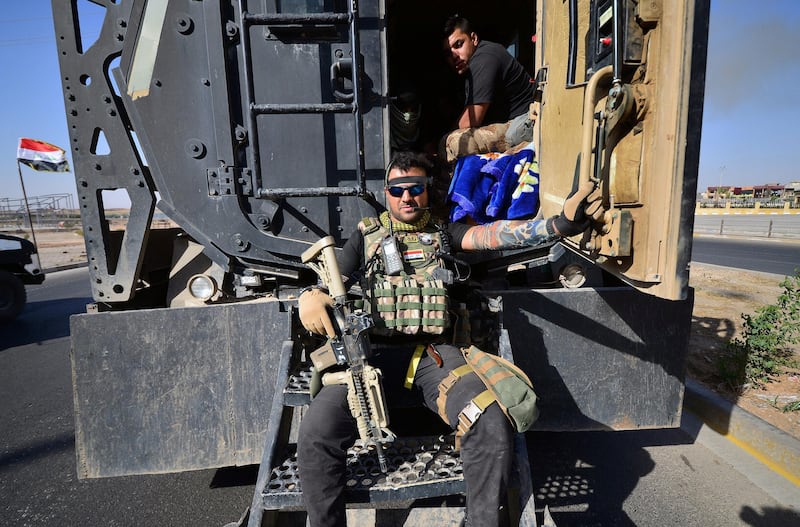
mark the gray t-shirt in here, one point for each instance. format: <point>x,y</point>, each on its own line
<point>495,77</point>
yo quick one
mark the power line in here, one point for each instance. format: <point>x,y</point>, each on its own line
<point>24,41</point>
<point>17,20</point>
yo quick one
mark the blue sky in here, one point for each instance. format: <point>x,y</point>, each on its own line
<point>750,123</point>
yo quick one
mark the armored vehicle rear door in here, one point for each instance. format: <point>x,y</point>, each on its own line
<point>257,125</point>
<point>621,104</point>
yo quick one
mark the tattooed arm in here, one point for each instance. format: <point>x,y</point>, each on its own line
<point>509,234</point>
<point>575,218</point>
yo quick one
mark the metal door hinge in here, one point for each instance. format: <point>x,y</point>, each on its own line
<point>229,181</point>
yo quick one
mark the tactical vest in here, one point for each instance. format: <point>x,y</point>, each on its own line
<point>413,302</point>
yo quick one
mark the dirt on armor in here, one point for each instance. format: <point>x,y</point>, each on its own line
<point>722,295</point>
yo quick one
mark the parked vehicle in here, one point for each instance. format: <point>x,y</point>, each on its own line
<point>19,265</point>
<point>260,127</point>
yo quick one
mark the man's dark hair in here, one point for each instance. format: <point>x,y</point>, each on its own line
<point>456,22</point>
<point>405,160</point>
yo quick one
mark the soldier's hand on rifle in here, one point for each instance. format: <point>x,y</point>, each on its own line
<point>580,208</point>
<point>313,311</point>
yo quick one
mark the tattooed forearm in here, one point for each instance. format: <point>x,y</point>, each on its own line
<point>507,234</point>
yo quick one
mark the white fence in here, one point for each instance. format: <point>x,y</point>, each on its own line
<point>786,226</point>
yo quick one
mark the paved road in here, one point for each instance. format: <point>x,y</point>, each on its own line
<point>633,478</point>
<point>768,256</point>
<point>38,483</point>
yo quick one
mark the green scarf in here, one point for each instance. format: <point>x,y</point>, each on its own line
<point>407,227</point>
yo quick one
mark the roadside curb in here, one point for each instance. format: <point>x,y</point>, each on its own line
<point>777,276</point>
<point>65,267</point>
<point>772,447</point>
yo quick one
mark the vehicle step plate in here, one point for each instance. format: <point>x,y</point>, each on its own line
<point>419,467</point>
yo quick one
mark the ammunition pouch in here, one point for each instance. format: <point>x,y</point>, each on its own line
<point>414,301</point>
<point>409,307</point>
<point>506,384</point>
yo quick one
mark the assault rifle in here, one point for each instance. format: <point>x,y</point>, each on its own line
<point>351,347</point>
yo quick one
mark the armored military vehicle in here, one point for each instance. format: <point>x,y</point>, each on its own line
<point>259,127</point>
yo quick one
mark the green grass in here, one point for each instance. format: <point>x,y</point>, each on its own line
<point>765,348</point>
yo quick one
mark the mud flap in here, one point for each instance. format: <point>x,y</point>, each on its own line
<point>167,390</point>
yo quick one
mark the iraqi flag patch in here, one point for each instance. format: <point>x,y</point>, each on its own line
<point>414,255</point>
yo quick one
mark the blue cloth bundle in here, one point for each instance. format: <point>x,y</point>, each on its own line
<point>494,186</point>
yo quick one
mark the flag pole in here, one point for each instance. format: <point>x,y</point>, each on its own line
<point>27,207</point>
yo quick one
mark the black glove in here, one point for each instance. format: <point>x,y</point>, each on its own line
<point>573,219</point>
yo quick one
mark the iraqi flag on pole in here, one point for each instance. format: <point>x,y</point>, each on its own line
<point>42,156</point>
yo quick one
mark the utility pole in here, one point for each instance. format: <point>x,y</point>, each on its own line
<point>719,187</point>
<point>27,207</point>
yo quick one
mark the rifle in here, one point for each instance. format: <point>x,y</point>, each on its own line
<point>351,347</point>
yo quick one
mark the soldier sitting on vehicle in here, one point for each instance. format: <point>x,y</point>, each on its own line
<point>414,348</point>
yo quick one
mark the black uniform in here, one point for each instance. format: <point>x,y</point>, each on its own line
<point>328,428</point>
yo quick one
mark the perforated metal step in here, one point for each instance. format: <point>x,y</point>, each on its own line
<point>419,467</point>
<point>297,391</point>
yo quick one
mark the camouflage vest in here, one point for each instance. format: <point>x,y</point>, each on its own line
<point>412,302</point>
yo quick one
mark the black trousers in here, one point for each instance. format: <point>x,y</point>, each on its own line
<point>328,429</point>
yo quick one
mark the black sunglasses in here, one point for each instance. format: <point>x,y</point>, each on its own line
<point>413,190</point>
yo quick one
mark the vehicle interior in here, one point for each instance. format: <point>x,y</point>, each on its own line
<point>416,62</point>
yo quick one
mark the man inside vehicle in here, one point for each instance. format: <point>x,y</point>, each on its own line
<point>497,94</point>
